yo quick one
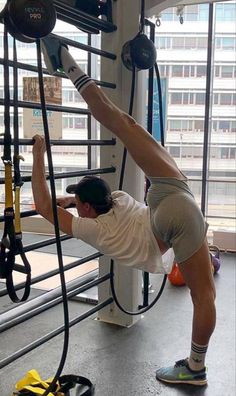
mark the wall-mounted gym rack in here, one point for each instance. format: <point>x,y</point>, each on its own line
<point>82,20</point>
<point>23,312</point>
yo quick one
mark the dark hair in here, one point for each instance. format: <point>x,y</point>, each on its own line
<point>95,191</point>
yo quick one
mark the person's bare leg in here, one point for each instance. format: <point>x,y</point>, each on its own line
<point>152,158</point>
<point>197,273</point>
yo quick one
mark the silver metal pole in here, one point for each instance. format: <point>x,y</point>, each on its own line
<point>22,312</point>
<point>208,105</point>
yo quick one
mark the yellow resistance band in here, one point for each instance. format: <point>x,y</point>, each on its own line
<point>17,210</point>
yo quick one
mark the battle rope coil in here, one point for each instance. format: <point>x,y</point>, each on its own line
<point>141,30</point>
<point>11,243</point>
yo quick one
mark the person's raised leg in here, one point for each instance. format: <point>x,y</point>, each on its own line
<point>198,276</point>
<point>152,158</point>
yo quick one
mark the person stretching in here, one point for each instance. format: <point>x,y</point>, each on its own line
<point>128,231</point>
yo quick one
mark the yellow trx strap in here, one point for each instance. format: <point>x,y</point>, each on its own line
<point>33,382</point>
<point>17,211</point>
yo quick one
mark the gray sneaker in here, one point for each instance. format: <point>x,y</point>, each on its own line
<point>51,48</point>
<point>180,373</point>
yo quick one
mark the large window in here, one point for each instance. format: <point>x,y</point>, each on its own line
<point>183,61</point>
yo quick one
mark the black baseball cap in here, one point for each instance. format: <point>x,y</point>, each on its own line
<point>91,189</point>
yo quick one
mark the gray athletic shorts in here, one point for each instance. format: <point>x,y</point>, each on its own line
<point>175,216</point>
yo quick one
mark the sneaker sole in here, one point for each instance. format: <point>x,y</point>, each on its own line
<point>47,60</point>
<point>190,382</point>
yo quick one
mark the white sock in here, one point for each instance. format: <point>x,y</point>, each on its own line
<point>197,356</point>
<point>73,71</point>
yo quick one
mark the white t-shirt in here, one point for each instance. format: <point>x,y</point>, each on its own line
<point>124,234</point>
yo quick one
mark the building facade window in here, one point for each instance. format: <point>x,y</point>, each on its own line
<point>201,71</point>
<point>200,98</point>
<point>227,71</point>
<point>177,71</point>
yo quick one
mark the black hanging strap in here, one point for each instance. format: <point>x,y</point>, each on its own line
<point>7,246</point>
<point>11,243</point>
<point>25,268</point>
<point>68,382</point>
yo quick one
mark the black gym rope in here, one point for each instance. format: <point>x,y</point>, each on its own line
<point>56,223</point>
<point>71,380</point>
<point>122,173</point>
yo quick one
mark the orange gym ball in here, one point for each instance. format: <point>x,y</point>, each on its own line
<point>175,277</point>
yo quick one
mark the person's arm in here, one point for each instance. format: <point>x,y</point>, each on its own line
<point>66,202</point>
<point>42,197</point>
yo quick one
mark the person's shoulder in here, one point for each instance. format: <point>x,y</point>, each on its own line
<point>119,193</point>
<point>121,196</point>
<point>123,199</point>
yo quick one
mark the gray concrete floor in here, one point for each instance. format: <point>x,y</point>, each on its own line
<point>121,361</point>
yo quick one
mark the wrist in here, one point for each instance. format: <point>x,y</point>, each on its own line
<point>38,157</point>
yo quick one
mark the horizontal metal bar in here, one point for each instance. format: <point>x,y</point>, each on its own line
<point>64,175</point>
<point>214,180</point>
<point>25,66</point>
<point>81,19</point>
<point>49,299</point>
<point>85,47</point>
<point>220,217</point>
<point>60,109</point>
<point>30,142</point>
<point>54,272</point>
<point>27,213</point>
<point>46,242</point>
<point>53,333</point>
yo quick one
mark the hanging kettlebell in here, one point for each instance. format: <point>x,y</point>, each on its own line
<point>215,258</point>
<point>175,277</point>
<point>139,52</point>
<point>28,20</point>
